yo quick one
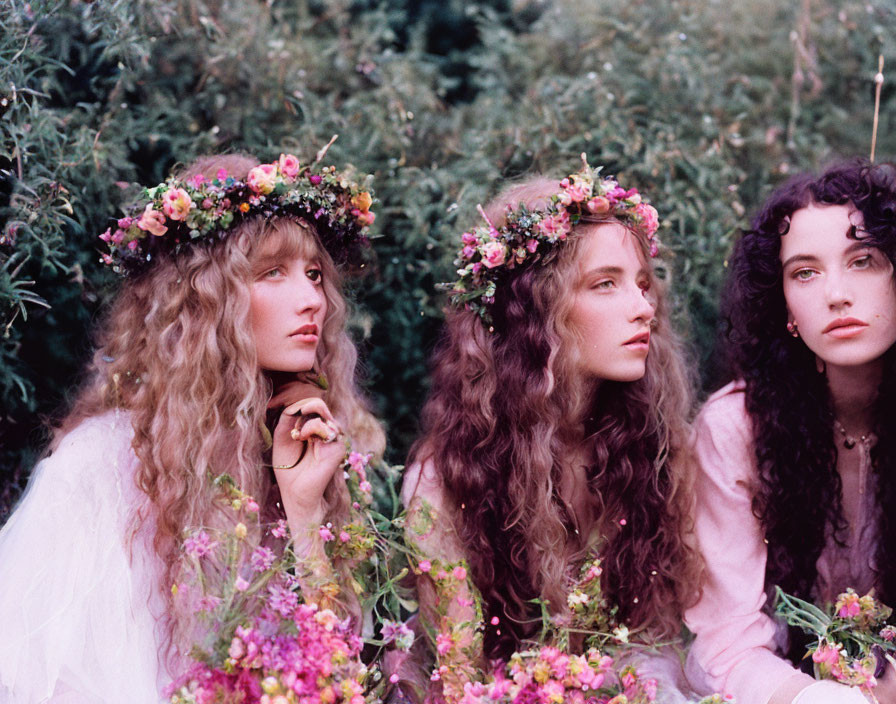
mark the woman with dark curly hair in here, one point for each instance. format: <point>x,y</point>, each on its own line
<point>556,425</point>
<point>797,455</point>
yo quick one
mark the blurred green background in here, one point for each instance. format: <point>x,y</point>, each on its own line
<point>702,104</point>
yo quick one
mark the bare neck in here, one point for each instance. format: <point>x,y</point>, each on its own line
<point>854,391</point>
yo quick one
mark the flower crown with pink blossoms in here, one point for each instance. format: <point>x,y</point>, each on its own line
<point>179,213</point>
<point>488,254</point>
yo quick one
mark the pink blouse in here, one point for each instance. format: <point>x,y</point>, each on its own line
<point>736,643</point>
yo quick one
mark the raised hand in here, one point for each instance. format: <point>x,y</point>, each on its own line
<point>307,451</point>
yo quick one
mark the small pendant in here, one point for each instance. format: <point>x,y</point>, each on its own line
<point>849,443</point>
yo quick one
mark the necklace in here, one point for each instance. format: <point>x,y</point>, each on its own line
<point>849,441</point>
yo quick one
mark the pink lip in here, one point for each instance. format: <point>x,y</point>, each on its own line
<point>845,327</point>
<point>307,333</point>
<point>641,341</point>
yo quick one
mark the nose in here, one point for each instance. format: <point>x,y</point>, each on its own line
<point>308,296</point>
<point>837,292</point>
<point>643,309</point>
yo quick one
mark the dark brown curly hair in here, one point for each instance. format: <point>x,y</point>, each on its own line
<point>498,429</point>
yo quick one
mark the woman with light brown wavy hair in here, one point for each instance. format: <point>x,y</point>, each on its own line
<point>232,298</point>
<point>556,427</point>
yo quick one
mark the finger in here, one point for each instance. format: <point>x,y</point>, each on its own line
<point>316,428</point>
<point>295,391</point>
<point>309,406</point>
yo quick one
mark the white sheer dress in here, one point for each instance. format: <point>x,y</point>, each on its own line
<point>79,600</point>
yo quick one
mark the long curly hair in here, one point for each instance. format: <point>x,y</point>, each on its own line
<point>498,428</point>
<point>177,353</point>
<point>798,498</point>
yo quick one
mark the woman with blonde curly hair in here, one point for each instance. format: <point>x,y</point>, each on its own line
<point>232,297</point>
<point>556,427</point>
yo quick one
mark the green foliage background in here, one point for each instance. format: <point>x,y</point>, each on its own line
<point>702,104</point>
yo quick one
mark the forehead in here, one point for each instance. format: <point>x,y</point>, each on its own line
<point>283,239</point>
<point>817,230</point>
<point>610,245</point>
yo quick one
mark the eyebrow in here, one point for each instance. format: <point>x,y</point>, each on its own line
<point>802,258</point>
<point>611,271</point>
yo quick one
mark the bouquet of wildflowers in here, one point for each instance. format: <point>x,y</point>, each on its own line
<point>270,629</point>
<point>547,672</point>
<point>850,635</point>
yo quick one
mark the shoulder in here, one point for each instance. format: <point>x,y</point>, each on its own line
<point>421,482</point>
<point>725,404</point>
<point>723,435</point>
<point>725,413</point>
<point>93,461</point>
<point>104,436</point>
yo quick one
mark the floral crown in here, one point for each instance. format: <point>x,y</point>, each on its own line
<point>489,254</point>
<point>177,213</point>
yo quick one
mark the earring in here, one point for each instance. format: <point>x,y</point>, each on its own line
<point>793,329</point>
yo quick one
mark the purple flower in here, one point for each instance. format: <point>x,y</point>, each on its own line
<point>262,559</point>
<point>199,545</point>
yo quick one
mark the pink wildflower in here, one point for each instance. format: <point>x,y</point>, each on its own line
<point>280,530</point>
<point>326,534</point>
<point>424,566</point>
<point>344,537</point>
<point>574,192</point>
<point>107,235</point>
<point>365,217</point>
<point>848,605</point>
<point>315,179</point>
<point>459,573</point>
<point>262,178</point>
<point>444,643</point>
<point>176,203</point>
<point>241,584</point>
<point>493,254</point>
<point>556,227</point>
<point>532,245</point>
<point>221,175</point>
<point>289,166</point>
<point>262,558</point>
<point>152,221</point>
<point>598,205</point>
<point>649,218</point>
<point>199,545</point>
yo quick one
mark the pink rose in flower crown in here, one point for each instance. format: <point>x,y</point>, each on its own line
<point>573,191</point>
<point>598,205</point>
<point>365,217</point>
<point>262,178</point>
<point>176,203</point>
<point>289,166</point>
<point>650,219</point>
<point>152,221</point>
<point>493,254</point>
<point>556,226</point>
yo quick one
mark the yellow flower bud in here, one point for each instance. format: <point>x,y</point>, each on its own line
<point>240,531</point>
